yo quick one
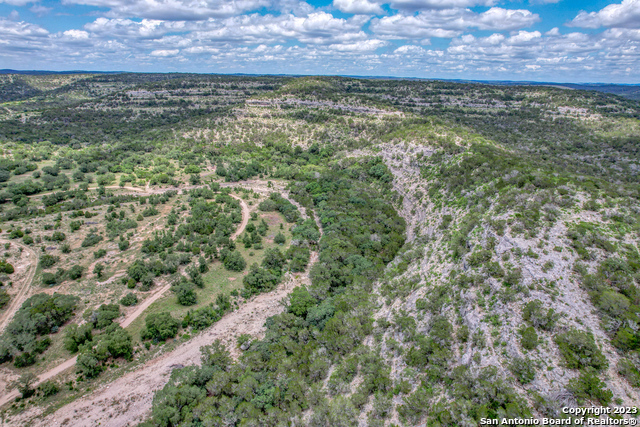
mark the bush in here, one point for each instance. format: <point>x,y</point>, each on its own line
<point>259,280</point>
<point>279,239</point>
<point>589,387</point>
<point>103,317</point>
<point>88,365</point>
<point>185,293</point>
<point>628,370</point>
<point>99,253</point>
<point>129,299</point>
<point>47,260</point>
<point>538,316</point>
<point>58,236</point>
<point>579,350</point>
<point>75,336</point>
<point>48,388</point>
<point>300,301</point>
<point>523,370</point>
<point>529,338</point>
<point>49,279</point>
<point>92,239</point>
<point>123,245</point>
<point>5,267</point>
<point>23,360</point>
<point>234,261</point>
<point>4,298</point>
<point>159,327</point>
<point>75,272</point>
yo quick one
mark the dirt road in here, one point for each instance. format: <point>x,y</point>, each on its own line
<point>25,285</point>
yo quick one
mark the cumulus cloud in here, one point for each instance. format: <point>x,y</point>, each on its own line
<point>364,7</point>
<point>438,4</point>
<point>625,15</point>
<point>449,23</point>
<point>165,52</point>
<point>174,9</point>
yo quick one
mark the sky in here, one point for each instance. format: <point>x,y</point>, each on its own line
<point>523,40</point>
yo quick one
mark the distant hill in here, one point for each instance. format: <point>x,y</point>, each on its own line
<point>630,91</point>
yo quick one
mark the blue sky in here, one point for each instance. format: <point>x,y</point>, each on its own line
<point>539,40</point>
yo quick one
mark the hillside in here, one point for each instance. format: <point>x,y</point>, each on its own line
<point>347,252</point>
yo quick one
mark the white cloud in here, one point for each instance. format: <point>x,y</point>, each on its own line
<point>497,18</point>
<point>438,4</point>
<point>364,7</point>
<point>76,34</point>
<point>18,2</point>
<point>449,23</point>
<point>165,53</point>
<point>625,14</point>
<point>410,50</point>
<point>20,30</point>
<point>177,10</point>
<point>360,46</point>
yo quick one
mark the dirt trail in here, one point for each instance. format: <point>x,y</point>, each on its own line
<point>17,299</point>
<point>69,363</point>
<point>245,218</point>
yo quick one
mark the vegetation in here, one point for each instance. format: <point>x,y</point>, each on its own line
<point>438,238</point>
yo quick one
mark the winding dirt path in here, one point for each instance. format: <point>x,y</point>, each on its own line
<point>69,363</point>
<point>16,300</point>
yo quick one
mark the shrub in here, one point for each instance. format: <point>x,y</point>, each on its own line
<point>234,261</point>
<point>159,327</point>
<point>48,388</point>
<point>58,236</point>
<point>300,301</point>
<point>24,359</point>
<point>280,239</point>
<point>47,260</point>
<point>185,293</point>
<point>538,316</point>
<point>4,298</point>
<point>529,338</point>
<point>92,239</point>
<point>523,370</point>
<point>49,279</point>
<point>259,280</point>
<point>589,387</point>
<point>88,365</point>
<point>5,267</point>
<point>579,350</point>
<point>628,370</point>
<point>99,253</point>
<point>75,272</point>
<point>129,299</point>
<point>75,336</point>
